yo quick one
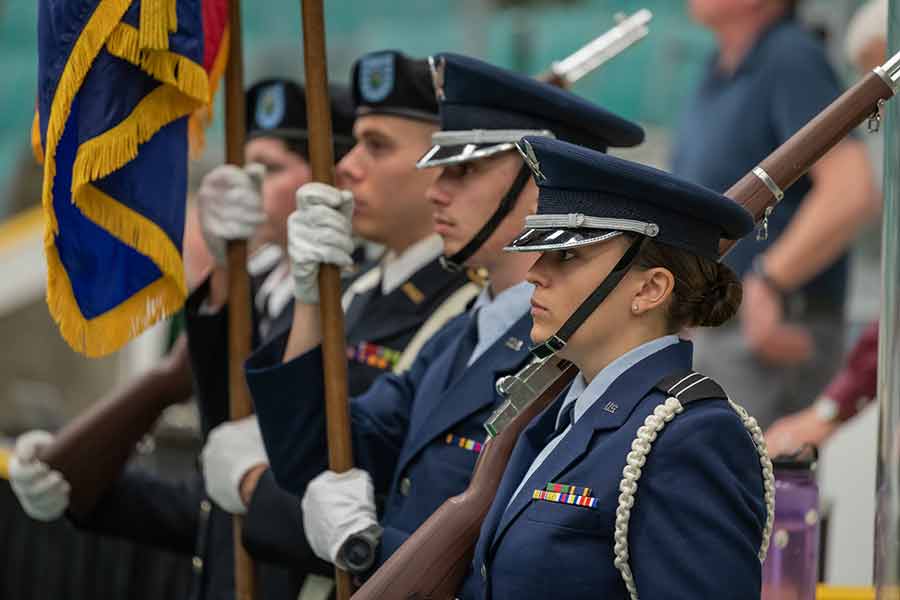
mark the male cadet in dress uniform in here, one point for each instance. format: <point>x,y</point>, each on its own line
<point>416,436</point>
<point>391,308</point>
<point>178,516</point>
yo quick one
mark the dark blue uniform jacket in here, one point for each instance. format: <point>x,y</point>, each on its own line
<point>146,508</point>
<point>697,521</point>
<point>411,432</point>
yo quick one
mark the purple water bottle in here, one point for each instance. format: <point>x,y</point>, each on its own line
<point>790,570</point>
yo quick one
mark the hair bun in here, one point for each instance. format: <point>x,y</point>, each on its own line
<point>722,298</point>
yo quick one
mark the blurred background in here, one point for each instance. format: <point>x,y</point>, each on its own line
<point>44,384</point>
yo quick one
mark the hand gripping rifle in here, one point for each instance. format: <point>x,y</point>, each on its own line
<point>92,450</point>
<point>433,561</point>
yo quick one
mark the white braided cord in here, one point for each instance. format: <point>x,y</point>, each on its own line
<point>640,448</point>
<point>637,457</point>
<point>768,473</point>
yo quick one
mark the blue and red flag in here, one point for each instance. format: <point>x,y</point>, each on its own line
<point>117,80</point>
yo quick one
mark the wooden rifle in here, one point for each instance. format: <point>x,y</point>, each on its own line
<point>433,561</point>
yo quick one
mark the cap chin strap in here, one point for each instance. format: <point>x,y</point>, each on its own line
<point>558,341</point>
<point>456,262</point>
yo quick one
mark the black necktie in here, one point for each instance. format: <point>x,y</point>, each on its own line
<point>357,309</point>
<point>467,344</point>
<point>565,419</point>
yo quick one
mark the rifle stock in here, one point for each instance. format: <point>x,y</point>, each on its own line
<point>92,450</point>
<point>433,561</point>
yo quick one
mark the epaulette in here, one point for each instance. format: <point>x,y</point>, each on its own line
<point>690,386</point>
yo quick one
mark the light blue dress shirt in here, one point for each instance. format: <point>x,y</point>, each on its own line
<point>584,395</point>
<point>497,315</point>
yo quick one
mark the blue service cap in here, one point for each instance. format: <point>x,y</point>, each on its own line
<point>486,110</point>
<point>587,197</point>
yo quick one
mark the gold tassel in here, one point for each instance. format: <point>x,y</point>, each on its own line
<point>36,148</point>
<point>172,8</point>
<point>154,25</point>
<point>110,331</point>
<point>172,69</point>
<point>113,329</point>
<point>164,66</point>
<point>89,43</point>
<point>100,156</point>
<point>134,229</point>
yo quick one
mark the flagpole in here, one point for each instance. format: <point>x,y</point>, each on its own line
<point>887,490</point>
<point>239,320</point>
<point>321,154</point>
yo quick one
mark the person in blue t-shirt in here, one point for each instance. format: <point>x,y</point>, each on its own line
<point>768,79</point>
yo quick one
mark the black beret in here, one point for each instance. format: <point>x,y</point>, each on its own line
<point>277,108</point>
<point>389,82</point>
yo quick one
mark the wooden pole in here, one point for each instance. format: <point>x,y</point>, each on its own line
<point>321,155</point>
<point>239,320</point>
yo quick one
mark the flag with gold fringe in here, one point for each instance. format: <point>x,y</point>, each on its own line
<point>117,80</point>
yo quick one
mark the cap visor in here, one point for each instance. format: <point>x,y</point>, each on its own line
<point>546,240</point>
<point>441,155</point>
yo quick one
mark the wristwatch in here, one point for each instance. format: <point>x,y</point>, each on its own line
<point>826,409</point>
<point>357,553</point>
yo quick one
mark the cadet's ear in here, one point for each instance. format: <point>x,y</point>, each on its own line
<point>657,287</point>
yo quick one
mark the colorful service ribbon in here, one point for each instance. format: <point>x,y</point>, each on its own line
<point>464,443</point>
<point>373,355</point>
<point>559,497</point>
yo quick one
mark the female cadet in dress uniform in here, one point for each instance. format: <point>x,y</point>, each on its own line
<point>643,479</point>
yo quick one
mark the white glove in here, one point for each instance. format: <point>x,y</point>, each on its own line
<point>336,506</point>
<point>230,206</point>
<point>231,450</point>
<point>42,492</point>
<point>319,231</point>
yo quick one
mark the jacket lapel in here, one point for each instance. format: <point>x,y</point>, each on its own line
<point>610,411</point>
<point>525,451</point>
<point>471,392</point>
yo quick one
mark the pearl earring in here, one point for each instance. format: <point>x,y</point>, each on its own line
<point>634,308</point>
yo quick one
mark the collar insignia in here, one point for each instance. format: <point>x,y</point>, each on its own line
<point>514,344</point>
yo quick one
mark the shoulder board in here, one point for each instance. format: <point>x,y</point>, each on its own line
<point>690,386</point>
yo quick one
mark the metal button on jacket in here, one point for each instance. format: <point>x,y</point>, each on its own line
<point>197,564</point>
<point>405,485</point>
<point>483,571</point>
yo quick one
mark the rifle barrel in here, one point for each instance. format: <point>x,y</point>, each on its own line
<point>760,190</point>
<point>603,48</point>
